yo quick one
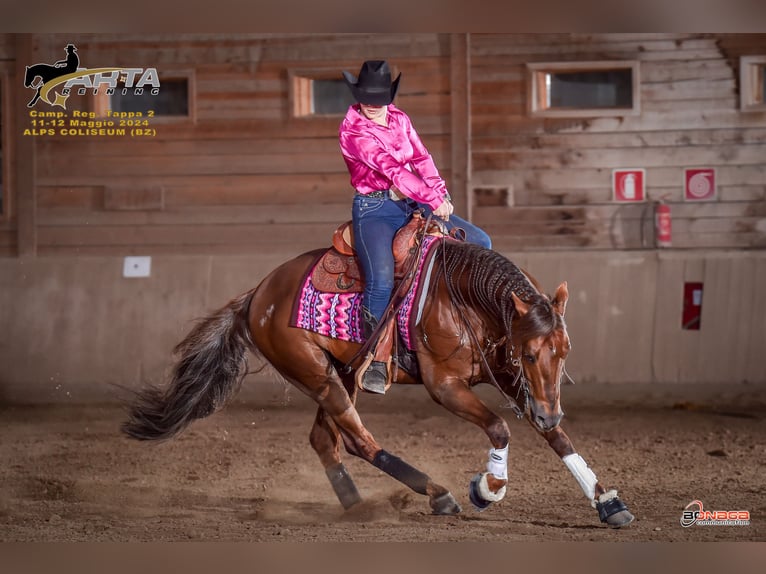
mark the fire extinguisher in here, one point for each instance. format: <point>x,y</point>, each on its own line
<point>662,224</point>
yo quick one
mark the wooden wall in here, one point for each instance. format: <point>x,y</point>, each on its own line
<point>7,63</point>
<point>558,172</point>
<point>80,331</point>
<point>245,174</point>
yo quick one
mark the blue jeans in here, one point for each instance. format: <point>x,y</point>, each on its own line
<point>375,222</point>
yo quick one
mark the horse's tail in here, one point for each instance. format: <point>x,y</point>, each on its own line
<point>211,365</point>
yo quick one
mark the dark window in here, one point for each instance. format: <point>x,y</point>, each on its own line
<point>584,89</point>
<point>172,99</point>
<point>597,89</point>
<point>319,92</point>
<point>330,97</point>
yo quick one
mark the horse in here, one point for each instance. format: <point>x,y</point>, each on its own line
<point>482,320</point>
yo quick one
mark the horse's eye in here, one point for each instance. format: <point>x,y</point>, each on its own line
<point>529,358</point>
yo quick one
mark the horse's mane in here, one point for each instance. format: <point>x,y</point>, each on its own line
<point>484,279</point>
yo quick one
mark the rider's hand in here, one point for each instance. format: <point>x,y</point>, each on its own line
<point>444,210</point>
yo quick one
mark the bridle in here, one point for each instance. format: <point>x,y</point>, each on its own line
<point>513,366</point>
<point>519,402</point>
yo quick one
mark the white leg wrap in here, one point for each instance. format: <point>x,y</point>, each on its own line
<point>498,462</point>
<point>584,475</point>
<point>486,493</point>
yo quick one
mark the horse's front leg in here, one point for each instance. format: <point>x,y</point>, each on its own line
<point>611,509</point>
<point>490,486</point>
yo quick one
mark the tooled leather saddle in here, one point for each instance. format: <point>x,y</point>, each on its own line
<point>337,271</point>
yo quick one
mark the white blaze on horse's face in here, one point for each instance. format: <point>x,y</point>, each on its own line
<point>542,361</point>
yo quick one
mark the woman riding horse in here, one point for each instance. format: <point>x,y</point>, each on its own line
<point>393,175</point>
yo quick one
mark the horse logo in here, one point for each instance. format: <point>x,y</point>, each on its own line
<point>40,76</point>
<point>45,77</point>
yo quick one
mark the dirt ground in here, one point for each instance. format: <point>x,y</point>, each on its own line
<point>248,473</point>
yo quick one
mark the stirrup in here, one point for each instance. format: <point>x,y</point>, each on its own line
<point>374,378</point>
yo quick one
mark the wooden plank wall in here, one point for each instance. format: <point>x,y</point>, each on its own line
<point>558,172</point>
<point>245,175</point>
<point>7,62</point>
<point>624,317</point>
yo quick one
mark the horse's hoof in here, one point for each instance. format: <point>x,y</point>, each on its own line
<point>473,494</point>
<point>613,511</point>
<point>480,494</point>
<point>620,519</point>
<point>445,504</point>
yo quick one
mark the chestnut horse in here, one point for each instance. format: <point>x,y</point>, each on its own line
<point>483,320</point>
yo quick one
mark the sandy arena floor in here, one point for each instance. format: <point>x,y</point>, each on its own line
<point>248,473</point>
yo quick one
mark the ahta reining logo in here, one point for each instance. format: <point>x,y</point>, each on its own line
<point>45,77</point>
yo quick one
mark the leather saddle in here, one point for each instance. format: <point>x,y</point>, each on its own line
<point>337,271</point>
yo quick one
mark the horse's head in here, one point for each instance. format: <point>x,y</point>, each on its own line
<point>29,76</point>
<point>540,346</point>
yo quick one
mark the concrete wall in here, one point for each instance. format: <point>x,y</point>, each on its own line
<point>73,328</point>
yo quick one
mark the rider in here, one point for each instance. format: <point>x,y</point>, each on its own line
<point>393,175</point>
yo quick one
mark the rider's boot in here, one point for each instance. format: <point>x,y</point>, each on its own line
<point>374,374</point>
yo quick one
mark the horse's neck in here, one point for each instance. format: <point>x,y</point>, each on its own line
<point>525,287</point>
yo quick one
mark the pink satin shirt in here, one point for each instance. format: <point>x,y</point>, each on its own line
<point>379,157</point>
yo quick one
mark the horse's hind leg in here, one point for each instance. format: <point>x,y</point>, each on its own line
<point>325,440</point>
<point>318,378</point>
<point>359,442</point>
<point>611,509</point>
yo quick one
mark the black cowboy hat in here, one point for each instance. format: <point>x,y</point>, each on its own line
<point>374,86</point>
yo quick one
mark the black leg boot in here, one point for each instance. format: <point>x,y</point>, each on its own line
<point>374,379</point>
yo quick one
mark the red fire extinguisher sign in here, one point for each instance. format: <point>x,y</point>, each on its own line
<point>628,185</point>
<point>663,227</point>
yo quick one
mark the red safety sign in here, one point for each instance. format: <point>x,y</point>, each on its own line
<point>628,185</point>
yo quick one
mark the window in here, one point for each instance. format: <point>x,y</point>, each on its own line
<point>752,80</point>
<point>174,99</point>
<point>583,89</point>
<point>318,93</point>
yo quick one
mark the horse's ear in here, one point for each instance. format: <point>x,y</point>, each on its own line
<point>519,305</point>
<point>561,298</point>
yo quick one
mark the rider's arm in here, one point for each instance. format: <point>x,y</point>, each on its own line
<point>423,162</point>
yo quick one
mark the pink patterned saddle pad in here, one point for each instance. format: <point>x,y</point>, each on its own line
<point>339,315</point>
